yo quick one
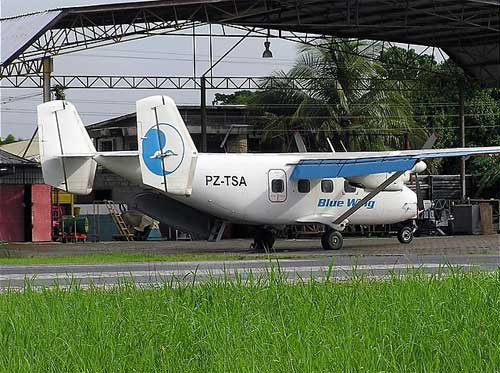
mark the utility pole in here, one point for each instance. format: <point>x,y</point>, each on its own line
<point>463,191</point>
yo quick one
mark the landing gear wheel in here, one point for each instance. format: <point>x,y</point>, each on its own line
<point>332,240</point>
<point>264,240</point>
<point>405,235</point>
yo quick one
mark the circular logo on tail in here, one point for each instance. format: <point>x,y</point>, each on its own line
<point>163,149</point>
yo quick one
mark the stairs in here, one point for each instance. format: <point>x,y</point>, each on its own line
<point>119,222</point>
<point>217,231</point>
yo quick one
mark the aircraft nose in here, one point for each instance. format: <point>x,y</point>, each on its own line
<point>410,208</point>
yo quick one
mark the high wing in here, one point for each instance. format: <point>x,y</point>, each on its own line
<point>351,164</point>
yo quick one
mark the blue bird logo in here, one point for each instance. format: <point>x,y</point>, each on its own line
<point>162,149</point>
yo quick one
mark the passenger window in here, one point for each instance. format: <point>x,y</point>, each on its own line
<point>326,186</point>
<point>277,186</point>
<point>348,188</point>
<point>304,186</point>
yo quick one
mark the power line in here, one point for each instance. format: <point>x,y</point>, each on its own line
<point>11,99</point>
<point>358,130</point>
<point>250,106</point>
<point>439,115</point>
<point>171,59</point>
<point>190,55</point>
<point>13,110</point>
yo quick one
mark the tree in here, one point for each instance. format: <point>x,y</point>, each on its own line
<point>8,140</point>
<point>237,98</point>
<point>59,92</point>
<point>344,91</point>
<point>434,97</point>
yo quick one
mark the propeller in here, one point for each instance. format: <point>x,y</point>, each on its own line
<point>299,141</point>
<point>418,190</point>
<point>420,197</point>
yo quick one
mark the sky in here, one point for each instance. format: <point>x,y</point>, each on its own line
<point>155,56</point>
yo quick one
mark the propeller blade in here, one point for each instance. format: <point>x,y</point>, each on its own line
<point>430,141</point>
<point>330,144</point>
<point>418,191</point>
<point>420,198</point>
<point>299,141</point>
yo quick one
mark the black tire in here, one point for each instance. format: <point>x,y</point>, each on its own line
<point>332,240</point>
<point>405,235</point>
<point>264,241</point>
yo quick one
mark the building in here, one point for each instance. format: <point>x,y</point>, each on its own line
<point>25,148</point>
<point>25,201</point>
<point>227,130</point>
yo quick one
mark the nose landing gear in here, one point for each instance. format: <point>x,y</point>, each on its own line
<point>405,235</point>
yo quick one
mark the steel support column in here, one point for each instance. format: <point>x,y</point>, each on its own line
<point>463,191</point>
<point>203,113</point>
<point>47,69</point>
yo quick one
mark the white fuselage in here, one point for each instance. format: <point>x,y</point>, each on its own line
<point>258,189</point>
<point>239,188</point>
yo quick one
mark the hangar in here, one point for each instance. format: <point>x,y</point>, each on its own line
<point>467,31</point>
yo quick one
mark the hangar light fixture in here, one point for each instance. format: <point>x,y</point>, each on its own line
<point>267,52</point>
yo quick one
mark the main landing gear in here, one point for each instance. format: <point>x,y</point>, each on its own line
<point>332,239</point>
<point>263,240</point>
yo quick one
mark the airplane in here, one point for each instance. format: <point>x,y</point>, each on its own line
<point>200,193</point>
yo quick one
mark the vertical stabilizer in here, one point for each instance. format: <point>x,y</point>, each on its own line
<point>166,151</point>
<point>66,150</point>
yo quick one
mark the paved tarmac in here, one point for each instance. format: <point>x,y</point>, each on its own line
<point>488,244</point>
<point>159,272</point>
<point>369,257</point>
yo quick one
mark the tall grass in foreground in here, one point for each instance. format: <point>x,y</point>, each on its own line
<point>413,323</point>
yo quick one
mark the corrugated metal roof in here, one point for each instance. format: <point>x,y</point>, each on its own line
<point>17,33</point>
<point>468,30</point>
<point>480,61</point>
<point>19,148</point>
<point>130,120</point>
<point>11,159</point>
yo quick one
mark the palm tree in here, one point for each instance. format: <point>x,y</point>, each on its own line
<point>342,92</point>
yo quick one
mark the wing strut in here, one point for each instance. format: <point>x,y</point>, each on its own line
<point>428,145</point>
<point>368,197</point>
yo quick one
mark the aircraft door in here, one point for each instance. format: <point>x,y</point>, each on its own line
<point>277,185</point>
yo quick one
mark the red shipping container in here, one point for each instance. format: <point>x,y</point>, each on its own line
<point>41,213</point>
<point>12,213</point>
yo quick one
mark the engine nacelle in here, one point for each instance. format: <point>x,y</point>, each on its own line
<point>372,181</point>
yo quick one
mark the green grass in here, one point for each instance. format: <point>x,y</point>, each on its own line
<point>443,323</point>
<point>124,257</point>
